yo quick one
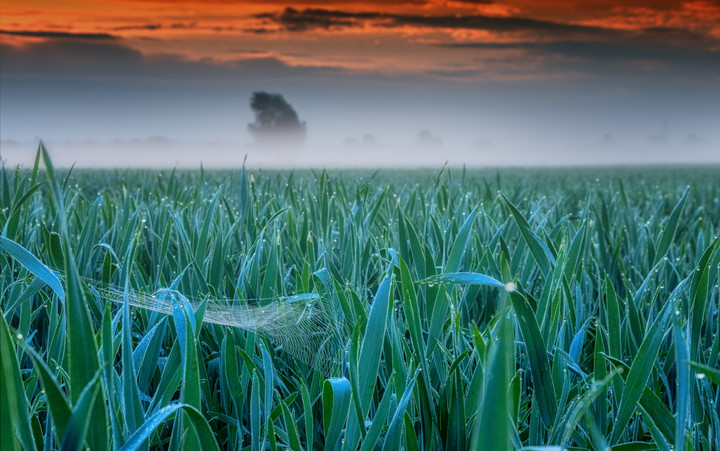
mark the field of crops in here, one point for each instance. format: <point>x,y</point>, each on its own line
<point>448,309</point>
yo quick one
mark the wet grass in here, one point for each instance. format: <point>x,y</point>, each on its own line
<point>455,309</point>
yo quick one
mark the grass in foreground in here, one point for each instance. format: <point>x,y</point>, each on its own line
<point>413,310</point>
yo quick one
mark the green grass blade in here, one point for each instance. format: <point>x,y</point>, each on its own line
<point>702,371</point>
<point>640,369</point>
<point>582,405</point>
<point>668,234</point>
<point>466,278</point>
<point>79,423</point>
<point>371,350</point>
<point>292,431</point>
<point>336,404</point>
<point>544,389</point>
<point>57,401</point>
<point>539,250</point>
<point>33,265</point>
<point>82,351</point>
<point>307,415</point>
<point>378,421</point>
<point>493,426</point>
<point>392,439</point>
<point>255,413</point>
<point>200,426</point>
<point>13,403</point>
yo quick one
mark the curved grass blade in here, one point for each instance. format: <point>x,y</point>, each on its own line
<point>336,403</point>
<point>392,439</point>
<point>77,427</point>
<point>668,234</point>
<point>12,394</point>
<point>199,423</point>
<point>371,351</point>
<point>378,421</point>
<point>544,388</point>
<point>57,401</point>
<point>32,264</point>
<point>582,405</point>
<point>640,371</point>
<point>492,425</point>
<point>539,250</point>
<point>291,427</point>
<point>713,374</point>
<point>468,278</point>
<point>82,351</point>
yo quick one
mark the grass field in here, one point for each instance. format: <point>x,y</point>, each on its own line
<point>448,309</point>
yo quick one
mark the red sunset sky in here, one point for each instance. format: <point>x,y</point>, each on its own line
<point>640,73</point>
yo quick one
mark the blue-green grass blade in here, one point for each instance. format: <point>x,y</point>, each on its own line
<point>371,350</point>
<point>57,402</point>
<point>291,428</point>
<point>307,414</point>
<point>79,423</point>
<point>32,264</point>
<point>705,371</point>
<point>336,403</point>
<point>465,278</point>
<point>13,403</point>
<point>640,369</point>
<point>199,424</point>
<point>670,230</point>
<point>82,351</point>
<point>378,421</point>
<point>539,250</point>
<point>537,357</point>
<point>492,425</point>
<point>392,438</point>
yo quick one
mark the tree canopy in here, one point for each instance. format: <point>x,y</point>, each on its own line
<point>276,121</point>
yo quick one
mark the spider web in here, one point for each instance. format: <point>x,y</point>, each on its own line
<point>308,327</point>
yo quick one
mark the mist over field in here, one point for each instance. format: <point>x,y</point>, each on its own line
<point>509,83</point>
<point>166,153</point>
<point>363,123</point>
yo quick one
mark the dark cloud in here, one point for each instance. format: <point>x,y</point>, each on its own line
<point>149,27</point>
<point>620,54</point>
<point>173,26</point>
<point>60,35</point>
<point>683,51</point>
<point>258,30</point>
<point>114,61</point>
<point>292,19</point>
<point>183,25</point>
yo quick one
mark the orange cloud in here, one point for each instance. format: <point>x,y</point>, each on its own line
<point>404,36</point>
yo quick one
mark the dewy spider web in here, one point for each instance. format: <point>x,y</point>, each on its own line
<point>308,327</point>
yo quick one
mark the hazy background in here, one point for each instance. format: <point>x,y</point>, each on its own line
<point>158,83</point>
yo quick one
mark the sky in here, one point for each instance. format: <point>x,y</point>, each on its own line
<point>391,83</point>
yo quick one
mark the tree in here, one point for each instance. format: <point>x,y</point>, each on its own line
<point>276,122</point>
